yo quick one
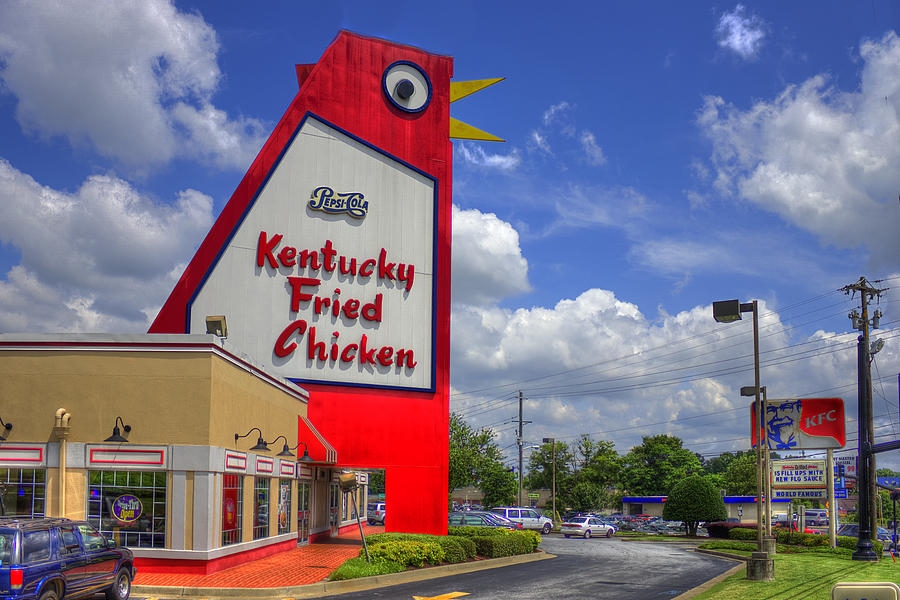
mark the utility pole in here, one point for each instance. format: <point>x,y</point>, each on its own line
<point>866,424</point>
<point>520,441</point>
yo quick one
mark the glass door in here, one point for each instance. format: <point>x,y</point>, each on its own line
<point>334,508</point>
<point>303,516</point>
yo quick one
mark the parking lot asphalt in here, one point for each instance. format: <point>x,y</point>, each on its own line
<point>598,568</point>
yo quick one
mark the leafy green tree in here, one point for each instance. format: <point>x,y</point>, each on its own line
<point>376,482</point>
<point>884,472</point>
<point>692,500</point>
<point>475,459</point>
<point>498,485</point>
<point>740,475</point>
<point>654,467</point>
<point>540,467</point>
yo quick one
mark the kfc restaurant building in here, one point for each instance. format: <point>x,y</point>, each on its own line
<point>313,316</point>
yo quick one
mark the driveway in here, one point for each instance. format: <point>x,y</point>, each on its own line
<point>598,568</point>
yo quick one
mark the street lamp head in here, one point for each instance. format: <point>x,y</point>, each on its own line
<point>748,390</point>
<point>727,311</point>
<point>548,440</point>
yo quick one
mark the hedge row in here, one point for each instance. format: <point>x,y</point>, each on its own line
<point>807,540</point>
<point>462,543</point>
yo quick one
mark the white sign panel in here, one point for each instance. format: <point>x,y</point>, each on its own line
<point>329,277</point>
<point>798,474</point>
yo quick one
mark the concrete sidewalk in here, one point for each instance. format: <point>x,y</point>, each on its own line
<point>300,573</point>
<point>304,565</point>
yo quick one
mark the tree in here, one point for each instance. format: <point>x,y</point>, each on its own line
<point>884,472</point>
<point>692,500</point>
<point>475,459</point>
<point>498,485</point>
<point>740,474</point>
<point>376,482</point>
<point>540,467</point>
<point>654,467</point>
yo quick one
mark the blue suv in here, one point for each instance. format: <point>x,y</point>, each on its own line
<point>52,559</point>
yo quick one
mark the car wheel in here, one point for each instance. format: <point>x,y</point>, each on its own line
<point>587,533</point>
<point>121,588</point>
<point>546,529</point>
<point>50,593</point>
<point>609,533</point>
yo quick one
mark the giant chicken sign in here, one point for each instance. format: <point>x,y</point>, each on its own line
<point>331,263</point>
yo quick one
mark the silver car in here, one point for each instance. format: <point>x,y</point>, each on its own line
<point>586,527</point>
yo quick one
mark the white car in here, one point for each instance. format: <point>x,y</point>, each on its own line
<point>376,512</point>
<point>528,517</point>
<point>586,527</point>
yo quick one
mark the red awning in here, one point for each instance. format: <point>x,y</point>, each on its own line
<point>319,449</point>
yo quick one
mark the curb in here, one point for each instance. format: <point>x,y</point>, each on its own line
<point>329,588</point>
<point>718,578</point>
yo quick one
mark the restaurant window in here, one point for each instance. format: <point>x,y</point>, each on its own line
<point>22,492</point>
<point>260,508</point>
<point>232,508</point>
<point>284,506</point>
<point>129,506</point>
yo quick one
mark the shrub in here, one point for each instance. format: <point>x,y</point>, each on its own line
<point>495,546</point>
<point>472,531</point>
<point>844,541</point>
<point>455,548</point>
<point>742,533</point>
<point>412,553</point>
<point>467,545</point>
<point>358,567</point>
<point>795,538</point>
<point>721,529</point>
<point>692,500</point>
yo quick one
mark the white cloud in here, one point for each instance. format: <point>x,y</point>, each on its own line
<point>540,142</point>
<point>740,33</point>
<point>487,261</point>
<point>592,151</point>
<point>596,364</point>
<point>824,160</point>
<point>132,80</point>
<point>555,112</point>
<point>101,259</point>
<point>475,155</point>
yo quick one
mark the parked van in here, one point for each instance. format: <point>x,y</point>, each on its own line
<point>528,517</point>
<point>816,517</point>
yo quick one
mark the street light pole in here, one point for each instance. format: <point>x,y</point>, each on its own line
<point>553,489</point>
<point>727,311</point>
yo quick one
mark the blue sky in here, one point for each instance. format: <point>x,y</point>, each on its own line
<point>659,156</point>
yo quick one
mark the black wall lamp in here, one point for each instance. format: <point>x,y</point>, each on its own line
<point>305,458</point>
<point>117,433</point>
<point>260,443</point>
<point>6,428</point>
<point>286,452</point>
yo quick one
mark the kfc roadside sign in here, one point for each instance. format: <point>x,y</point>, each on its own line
<point>802,423</point>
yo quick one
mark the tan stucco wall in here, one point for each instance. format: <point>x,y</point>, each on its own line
<point>163,396</point>
<point>241,401</point>
<point>167,398</point>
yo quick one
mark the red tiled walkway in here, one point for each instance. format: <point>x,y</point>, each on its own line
<point>307,564</point>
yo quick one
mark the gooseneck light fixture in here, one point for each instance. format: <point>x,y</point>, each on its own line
<point>117,433</point>
<point>306,457</point>
<point>260,443</point>
<point>6,429</point>
<point>285,451</point>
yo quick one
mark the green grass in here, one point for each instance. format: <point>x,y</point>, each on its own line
<point>803,576</point>
<point>358,567</point>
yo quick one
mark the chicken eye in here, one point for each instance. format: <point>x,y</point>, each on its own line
<point>407,86</point>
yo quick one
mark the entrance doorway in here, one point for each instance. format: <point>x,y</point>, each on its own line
<point>303,513</point>
<point>334,508</point>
